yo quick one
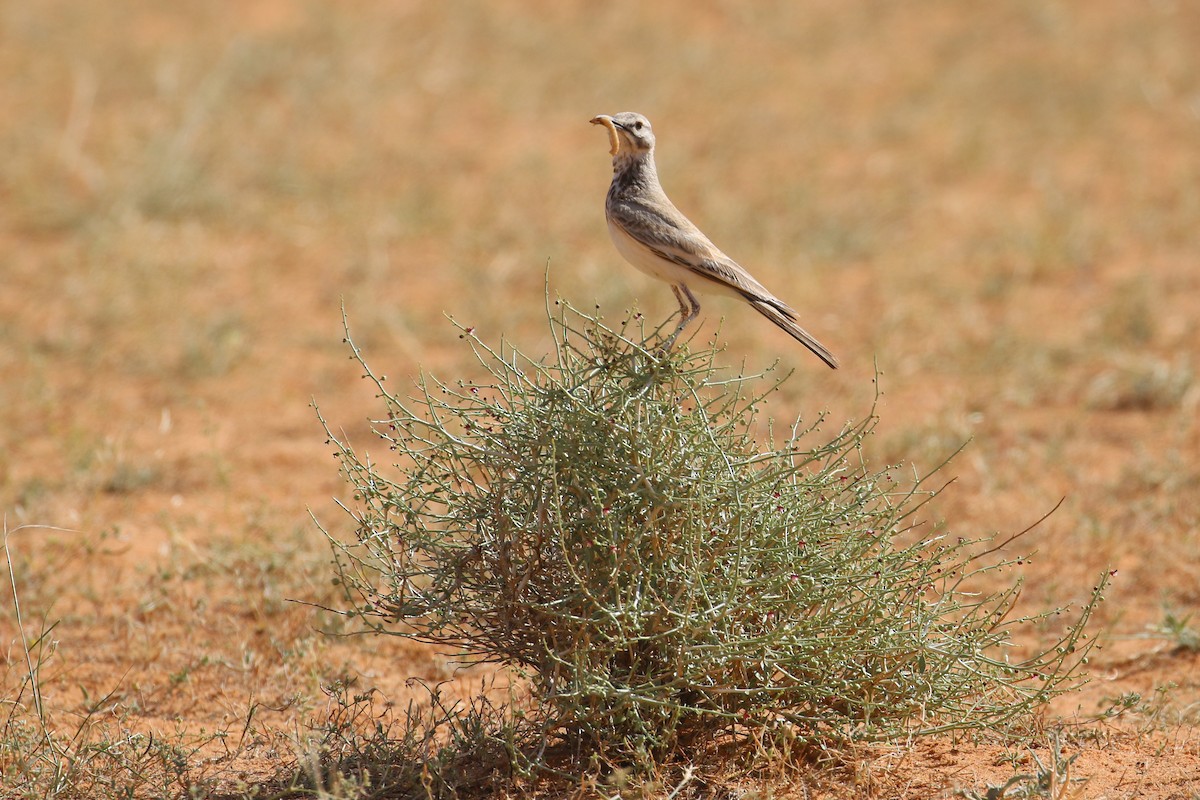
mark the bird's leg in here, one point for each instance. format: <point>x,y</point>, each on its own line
<point>695,304</point>
<point>684,307</point>
<point>689,309</point>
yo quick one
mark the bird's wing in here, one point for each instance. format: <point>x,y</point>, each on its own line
<point>666,232</point>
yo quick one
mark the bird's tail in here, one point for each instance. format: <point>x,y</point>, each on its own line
<point>787,321</point>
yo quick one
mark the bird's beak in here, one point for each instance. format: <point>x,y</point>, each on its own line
<point>614,141</point>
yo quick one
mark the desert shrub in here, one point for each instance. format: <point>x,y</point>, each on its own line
<point>623,530</point>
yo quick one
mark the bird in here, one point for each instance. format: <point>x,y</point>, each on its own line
<point>654,236</point>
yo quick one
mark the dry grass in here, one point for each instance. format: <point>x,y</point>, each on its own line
<point>997,203</point>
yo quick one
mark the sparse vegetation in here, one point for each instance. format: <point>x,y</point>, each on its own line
<point>1142,384</point>
<point>995,203</point>
<point>1050,779</point>
<point>47,752</point>
<point>622,529</point>
<point>1178,630</point>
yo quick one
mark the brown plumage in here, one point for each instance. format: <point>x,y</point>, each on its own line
<point>654,236</point>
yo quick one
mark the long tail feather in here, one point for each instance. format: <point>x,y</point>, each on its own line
<point>805,338</point>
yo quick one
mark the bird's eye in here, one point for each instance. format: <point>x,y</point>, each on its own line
<point>637,125</point>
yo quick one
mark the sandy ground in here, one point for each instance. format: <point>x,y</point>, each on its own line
<point>996,205</point>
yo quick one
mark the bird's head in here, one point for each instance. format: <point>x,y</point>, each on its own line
<point>627,131</point>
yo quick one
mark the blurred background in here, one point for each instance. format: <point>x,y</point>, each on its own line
<point>996,205</point>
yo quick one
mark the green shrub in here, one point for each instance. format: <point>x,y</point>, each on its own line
<point>620,528</point>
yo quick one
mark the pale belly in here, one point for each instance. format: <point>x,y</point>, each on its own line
<point>664,270</point>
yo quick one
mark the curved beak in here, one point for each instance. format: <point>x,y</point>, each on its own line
<point>614,141</point>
